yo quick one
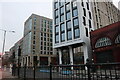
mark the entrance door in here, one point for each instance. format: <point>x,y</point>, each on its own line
<point>65,56</point>
<point>104,57</point>
<point>43,60</point>
<point>35,60</point>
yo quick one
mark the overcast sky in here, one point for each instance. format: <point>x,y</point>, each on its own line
<point>13,14</point>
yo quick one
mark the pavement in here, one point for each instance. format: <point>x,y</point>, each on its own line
<point>6,75</point>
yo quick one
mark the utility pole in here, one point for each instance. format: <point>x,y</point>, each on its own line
<point>5,31</point>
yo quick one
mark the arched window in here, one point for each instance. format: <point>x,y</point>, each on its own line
<point>117,40</point>
<point>104,41</point>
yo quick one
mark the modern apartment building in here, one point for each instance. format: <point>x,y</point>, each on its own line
<point>37,41</point>
<point>104,13</point>
<point>71,25</point>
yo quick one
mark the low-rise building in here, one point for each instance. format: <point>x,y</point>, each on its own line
<point>106,43</point>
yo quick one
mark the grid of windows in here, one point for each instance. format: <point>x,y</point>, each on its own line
<point>61,16</point>
<point>45,35</point>
<point>103,42</point>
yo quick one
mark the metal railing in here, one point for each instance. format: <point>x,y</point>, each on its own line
<point>102,71</point>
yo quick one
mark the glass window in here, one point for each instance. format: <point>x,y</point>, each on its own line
<point>61,3</point>
<point>56,20</point>
<point>44,38</point>
<point>67,7</point>
<point>86,31</point>
<point>68,24</point>
<point>74,4</point>
<point>82,3</point>
<point>69,35</point>
<point>62,26</point>
<point>41,34</point>
<point>77,33</point>
<point>44,43</point>
<point>117,40</point>
<point>33,47</point>
<point>84,21</point>
<point>84,11</point>
<point>45,49</point>
<point>33,42</point>
<point>34,23</point>
<point>56,29</point>
<point>34,18</point>
<point>104,41</point>
<point>61,10</point>
<point>68,16</point>
<point>56,5</point>
<point>50,35</point>
<point>87,5</point>
<point>75,22</point>
<point>56,13</point>
<point>56,38</point>
<point>90,23</point>
<point>75,12</point>
<point>33,37</point>
<point>44,34</point>
<point>62,18</point>
<point>90,15</point>
<point>63,37</point>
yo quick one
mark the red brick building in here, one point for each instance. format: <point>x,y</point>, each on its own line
<point>105,43</point>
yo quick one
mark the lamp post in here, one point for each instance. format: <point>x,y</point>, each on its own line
<point>5,31</point>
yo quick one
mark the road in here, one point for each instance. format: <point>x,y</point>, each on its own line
<point>6,75</point>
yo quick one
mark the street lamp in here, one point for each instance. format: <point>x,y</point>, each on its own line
<point>4,39</point>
